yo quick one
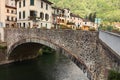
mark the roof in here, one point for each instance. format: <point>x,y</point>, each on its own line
<point>74,15</point>
<point>47,1</point>
<point>10,7</point>
<point>54,7</point>
<point>86,20</point>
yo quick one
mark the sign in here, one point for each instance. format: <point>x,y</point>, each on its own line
<point>97,20</point>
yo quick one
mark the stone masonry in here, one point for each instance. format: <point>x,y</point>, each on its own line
<point>82,47</point>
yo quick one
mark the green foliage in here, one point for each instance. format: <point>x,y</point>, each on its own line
<point>109,28</point>
<point>92,29</point>
<point>64,27</point>
<point>113,75</point>
<point>105,9</point>
<point>92,17</point>
<point>47,50</point>
<point>3,47</point>
<point>106,27</point>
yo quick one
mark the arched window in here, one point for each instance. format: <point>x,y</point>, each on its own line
<point>41,15</point>
<point>46,17</point>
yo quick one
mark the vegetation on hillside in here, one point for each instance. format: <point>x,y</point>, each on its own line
<point>107,10</point>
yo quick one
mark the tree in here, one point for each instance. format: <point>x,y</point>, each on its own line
<point>90,17</point>
<point>93,17</point>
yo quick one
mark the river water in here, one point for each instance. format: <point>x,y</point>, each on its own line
<point>46,67</point>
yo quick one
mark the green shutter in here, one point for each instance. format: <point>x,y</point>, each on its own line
<point>31,2</point>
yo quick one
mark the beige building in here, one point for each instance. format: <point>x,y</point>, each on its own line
<point>7,13</point>
<point>2,13</point>
<point>63,17</point>
<point>77,20</point>
<point>60,16</point>
<point>34,13</point>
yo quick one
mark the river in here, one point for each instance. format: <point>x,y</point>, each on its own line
<point>46,67</point>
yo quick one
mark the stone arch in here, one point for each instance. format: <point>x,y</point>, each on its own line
<point>62,50</point>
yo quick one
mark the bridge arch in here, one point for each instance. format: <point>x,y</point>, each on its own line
<point>56,47</point>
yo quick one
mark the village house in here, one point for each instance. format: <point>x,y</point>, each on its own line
<point>60,16</point>
<point>87,24</point>
<point>2,13</point>
<point>11,13</point>
<point>63,17</point>
<point>39,14</point>
<point>34,13</point>
<point>7,13</point>
<point>76,21</point>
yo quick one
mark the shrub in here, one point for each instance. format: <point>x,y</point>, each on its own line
<point>109,28</point>
<point>92,29</point>
<point>64,27</point>
<point>113,75</point>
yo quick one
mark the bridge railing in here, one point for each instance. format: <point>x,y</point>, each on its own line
<point>112,40</point>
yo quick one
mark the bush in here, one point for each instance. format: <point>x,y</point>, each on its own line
<point>3,47</point>
<point>109,28</point>
<point>115,31</point>
<point>64,27</point>
<point>92,29</point>
<point>113,75</point>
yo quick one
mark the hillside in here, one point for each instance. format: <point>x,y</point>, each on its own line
<point>106,9</point>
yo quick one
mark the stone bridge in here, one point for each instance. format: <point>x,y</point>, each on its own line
<point>84,48</point>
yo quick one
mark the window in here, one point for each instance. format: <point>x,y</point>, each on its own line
<point>19,15</point>
<point>32,13</point>
<point>31,2</point>
<point>24,25</point>
<point>7,10</point>
<point>7,18</point>
<point>12,19</point>
<point>23,14</point>
<point>68,11</point>
<point>46,17</point>
<point>20,4</point>
<point>46,6</point>
<point>12,11</point>
<point>29,24</point>
<point>20,24</point>
<point>46,25</point>
<point>41,15</point>
<point>41,25</point>
<point>15,19</point>
<point>24,3</point>
<point>41,4</point>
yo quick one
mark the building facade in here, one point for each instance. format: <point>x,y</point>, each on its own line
<point>63,17</point>
<point>2,13</point>
<point>34,13</point>
<point>11,13</point>
<point>76,20</point>
<point>7,13</point>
